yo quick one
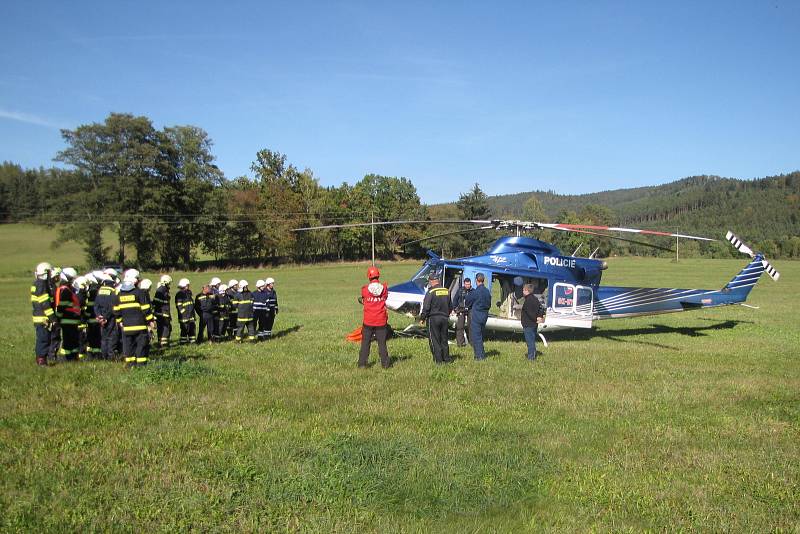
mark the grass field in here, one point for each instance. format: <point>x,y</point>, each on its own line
<point>675,422</point>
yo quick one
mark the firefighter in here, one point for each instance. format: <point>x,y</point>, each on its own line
<point>161,311</point>
<point>436,308</point>
<point>104,312</point>
<point>260,310</point>
<point>244,312</point>
<point>132,305</point>
<point>224,303</point>
<point>79,287</point>
<point>233,288</point>
<point>93,339</point>
<point>373,297</point>
<point>214,284</point>
<point>185,306</point>
<point>205,307</point>
<point>55,325</point>
<point>68,312</point>
<point>43,313</point>
<point>272,306</point>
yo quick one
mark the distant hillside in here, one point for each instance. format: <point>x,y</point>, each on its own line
<point>762,210</point>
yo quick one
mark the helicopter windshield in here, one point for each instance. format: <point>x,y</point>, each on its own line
<point>421,278</point>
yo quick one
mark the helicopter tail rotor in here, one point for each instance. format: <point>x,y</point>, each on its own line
<point>739,245</point>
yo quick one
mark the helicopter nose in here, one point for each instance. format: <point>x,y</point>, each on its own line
<point>405,298</point>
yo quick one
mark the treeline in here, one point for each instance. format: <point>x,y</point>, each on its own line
<point>159,193</point>
<point>764,212</point>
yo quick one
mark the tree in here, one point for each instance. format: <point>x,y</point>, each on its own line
<point>474,206</point>
<point>533,210</point>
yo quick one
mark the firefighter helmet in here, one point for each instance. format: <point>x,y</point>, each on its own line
<point>131,274</point>
<point>215,281</point>
<point>223,288</point>
<point>232,283</point>
<point>260,283</point>
<point>79,282</point>
<point>165,280</point>
<point>146,284</point>
<point>111,272</point>
<point>373,273</point>
<point>183,283</point>
<point>243,284</point>
<point>43,269</point>
<point>68,274</point>
<point>269,281</point>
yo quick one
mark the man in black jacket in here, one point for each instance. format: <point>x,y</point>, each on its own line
<point>436,308</point>
<point>462,313</point>
<point>532,315</point>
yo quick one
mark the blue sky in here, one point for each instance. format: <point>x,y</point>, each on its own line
<point>517,96</point>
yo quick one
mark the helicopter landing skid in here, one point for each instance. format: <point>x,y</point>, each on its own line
<point>412,330</point>
<point>543,339</point>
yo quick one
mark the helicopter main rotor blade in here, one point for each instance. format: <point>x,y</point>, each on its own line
<point>447,233</point>
<point>578,227</point>
<point>644,243</point>
<point>388,223</point>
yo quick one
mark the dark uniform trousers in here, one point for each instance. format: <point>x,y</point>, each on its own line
<point>188,328</point>
<point>136,345</point>
<point>437,335</point>
<point>462,329</point>
<point>269,321</point>
<point>43,340</point>
<point>163,329</point>
<point>93,339</point>
<point>70,342</point>
<point>381,333</point>
<point>477,322</point>
<point>246,324</point>
<point>55,341</point>
<point>109,339</point>
<point>208,324</point>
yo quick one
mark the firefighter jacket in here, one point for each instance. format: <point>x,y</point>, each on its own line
<point>244,305</point>
<point>132,305</point>
<point>184,303</point>
<point>68,307</point>
<point>259,300</point>
<point>42,301</point>
<point>225,303</point>
<point>272,300</point>
<point>231,297</point>
<point>104,301</point>
<point>375,305</point>
<point>161,302</point>
<point>436,303</point>
<point>206,304</point>
<point>89,315</point>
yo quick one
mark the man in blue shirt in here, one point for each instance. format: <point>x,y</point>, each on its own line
<point>479,301</point>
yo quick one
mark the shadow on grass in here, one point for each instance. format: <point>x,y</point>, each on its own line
<point>621,333</point>
<point>287,331</point>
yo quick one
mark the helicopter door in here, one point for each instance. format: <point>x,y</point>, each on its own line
<point>571,306</point>
<point>470,272</point>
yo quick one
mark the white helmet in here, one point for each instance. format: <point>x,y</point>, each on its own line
<point>215,281</point>
<point>131,274</point>
<point>233,282</point>
<point>79,282</point>
<point>259,283</point>
<point>269,281</point>
<point>101,276</point>
<point>55,274</point>
<point>243,284</point>
<point>68,273</point>
<point>111,272</point>
<point>90,278</point>
<point>145,284</point>
<point>222,288</point>
<point>43,269</point>
<point>183,283</point>
<point>165,280</point>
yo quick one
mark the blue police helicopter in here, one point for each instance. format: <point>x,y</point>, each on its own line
<point>568,286</point>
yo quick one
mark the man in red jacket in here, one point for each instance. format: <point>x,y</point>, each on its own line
<point>373,297</point>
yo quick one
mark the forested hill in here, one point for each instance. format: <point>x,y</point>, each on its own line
<point>759,210</point>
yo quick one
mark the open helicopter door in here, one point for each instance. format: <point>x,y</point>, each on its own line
<point>570,306</point>
<point>470,272</point>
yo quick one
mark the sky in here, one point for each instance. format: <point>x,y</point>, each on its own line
<point>574,97</point>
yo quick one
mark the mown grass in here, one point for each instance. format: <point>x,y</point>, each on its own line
<point>675,422</point>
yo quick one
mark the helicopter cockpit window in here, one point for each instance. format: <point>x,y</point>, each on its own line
<point>421,278</point>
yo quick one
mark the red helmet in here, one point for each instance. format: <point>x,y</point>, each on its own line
<point>373,273</point>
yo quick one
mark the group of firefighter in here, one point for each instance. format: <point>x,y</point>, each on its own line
<point>108,315</point>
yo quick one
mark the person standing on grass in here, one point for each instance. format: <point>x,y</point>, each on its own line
<point>436,309</point>
<point>43,313</point>
<point>479,302</point>
<point>373,297</point>
<point>532,315</point>
<point>184,303</point>
<point>462,313</point>
<point>272,306</point>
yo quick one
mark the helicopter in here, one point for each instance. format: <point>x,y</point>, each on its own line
<point>567,286</point>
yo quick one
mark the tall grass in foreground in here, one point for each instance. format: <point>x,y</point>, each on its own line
<point>675,422</point>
